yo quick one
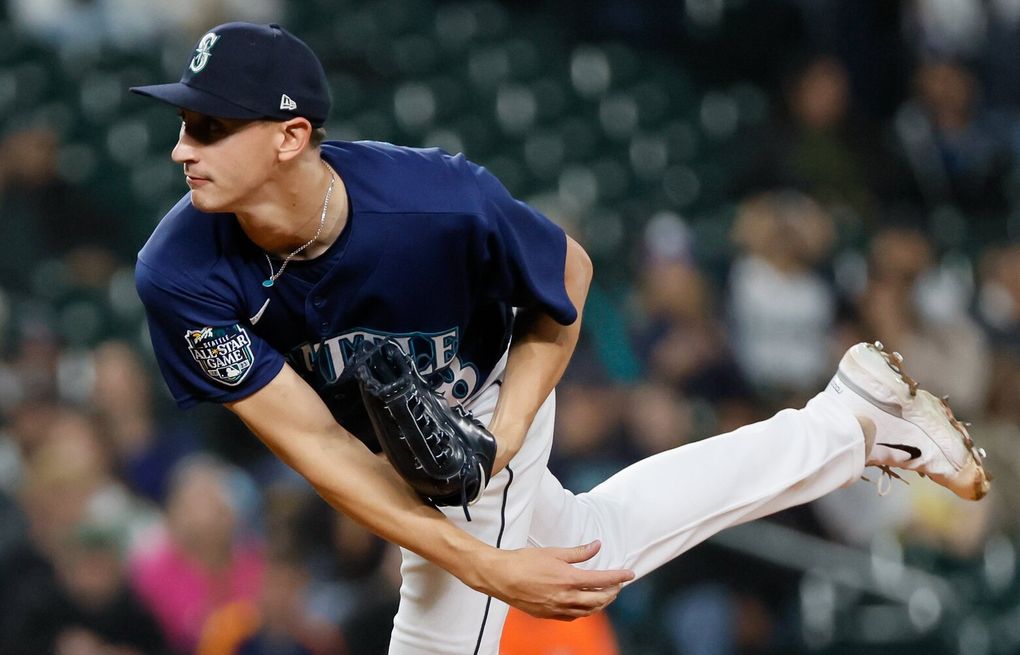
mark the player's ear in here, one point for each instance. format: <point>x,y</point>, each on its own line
<point>296,134</point>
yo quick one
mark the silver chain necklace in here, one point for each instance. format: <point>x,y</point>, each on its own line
<point>268,282</point>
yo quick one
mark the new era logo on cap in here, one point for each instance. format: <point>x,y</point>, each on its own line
<point>286,103</point>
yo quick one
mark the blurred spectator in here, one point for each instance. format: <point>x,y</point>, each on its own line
<point>344,580</point>
<point>34,366</point>
<point>1000,70</point>
<point>44,217</point>
<point>781,308</point>
<point>818,146</point>
<point>999,297</point>
<point>675,330</point>
<point>677,336</point>
<point>953,154</point>
<point>869,38</point>
<point>82,606</point>
<point>26,429</point>
<point>355,578</point>
<point>279,623</point>
<point>69,481</point>
<point>999,311</point>
<point>67,581</point>
<point>657,418</point>
<point>204,557</point>
<point>588,446</point>
<point>28,591</point>
<point>146,450</point>
<point>956,29</point>
<point>100,614</point>
<point>895,312</point>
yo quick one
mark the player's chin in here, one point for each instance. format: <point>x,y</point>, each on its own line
<point>205,201</point>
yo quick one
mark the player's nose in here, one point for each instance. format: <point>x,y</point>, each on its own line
<point>184,150</point>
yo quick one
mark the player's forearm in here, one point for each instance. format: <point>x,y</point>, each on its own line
<point>368,490</point>
<point>539,353</point>
<point>297,427</point>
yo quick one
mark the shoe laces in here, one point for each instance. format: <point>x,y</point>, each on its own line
<point>884,482</point>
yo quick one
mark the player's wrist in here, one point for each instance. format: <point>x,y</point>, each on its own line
<point>476,567</point>
<point>510,437</point>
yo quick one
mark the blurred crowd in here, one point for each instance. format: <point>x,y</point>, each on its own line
<point>867,205</point>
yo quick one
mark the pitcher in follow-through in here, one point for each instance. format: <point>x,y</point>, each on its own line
<point>305,283</point>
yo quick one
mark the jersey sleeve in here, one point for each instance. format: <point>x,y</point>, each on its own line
<point>204,349</point>
<point>523,254</point>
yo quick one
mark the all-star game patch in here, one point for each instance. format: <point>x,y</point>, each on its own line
<point>224,353</point>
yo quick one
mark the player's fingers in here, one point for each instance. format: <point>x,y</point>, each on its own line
<point>601,579</point>
<point>586,603</point>
<point>598,599</point>
<point>581,553</point>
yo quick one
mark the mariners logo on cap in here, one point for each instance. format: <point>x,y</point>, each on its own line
<point>223,353</point>
<point>203,52</point>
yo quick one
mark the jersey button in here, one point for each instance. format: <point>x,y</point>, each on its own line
<point>318,301</point>
<point>324,327</point>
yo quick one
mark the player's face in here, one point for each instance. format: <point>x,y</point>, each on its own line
<point>225,161</point>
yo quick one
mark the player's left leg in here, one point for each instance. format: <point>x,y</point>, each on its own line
<point>660,507</point>
<point>440,615</point>
<point>871,413</point>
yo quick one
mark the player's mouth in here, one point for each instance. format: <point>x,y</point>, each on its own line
<point>195,181</point>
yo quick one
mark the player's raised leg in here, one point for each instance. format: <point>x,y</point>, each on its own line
<point>662,506</point>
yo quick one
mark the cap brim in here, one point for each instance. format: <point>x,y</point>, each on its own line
<point>181,95</point>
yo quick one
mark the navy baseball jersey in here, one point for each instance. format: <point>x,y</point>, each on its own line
<point>435,254</point>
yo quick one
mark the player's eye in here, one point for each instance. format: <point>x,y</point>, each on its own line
<point>207,130</point>
<point>204,131</point>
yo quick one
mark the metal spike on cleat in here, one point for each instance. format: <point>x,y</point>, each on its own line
<point>895,362</point>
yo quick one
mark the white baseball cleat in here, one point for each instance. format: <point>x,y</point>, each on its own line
<point>914,430</point>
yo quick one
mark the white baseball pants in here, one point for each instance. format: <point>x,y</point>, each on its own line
<point>645,515</point>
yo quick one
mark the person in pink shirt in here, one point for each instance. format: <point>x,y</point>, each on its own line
<point>202,557</point>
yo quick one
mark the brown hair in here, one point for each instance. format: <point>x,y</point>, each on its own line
<point>318,136</point>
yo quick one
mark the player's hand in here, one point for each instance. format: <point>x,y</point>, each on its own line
<point>543,582</point>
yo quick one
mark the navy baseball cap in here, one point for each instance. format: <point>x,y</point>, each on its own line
<point>248,71</point>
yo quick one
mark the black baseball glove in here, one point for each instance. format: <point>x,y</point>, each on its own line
<point>444,454</point>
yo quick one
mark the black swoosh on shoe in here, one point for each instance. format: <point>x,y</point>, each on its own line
<point>913,451</point>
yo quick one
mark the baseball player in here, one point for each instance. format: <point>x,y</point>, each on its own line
<point>335,295</point>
